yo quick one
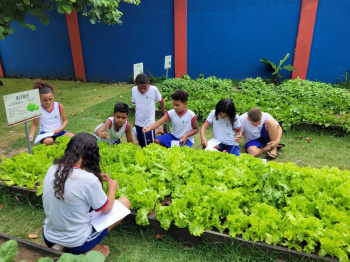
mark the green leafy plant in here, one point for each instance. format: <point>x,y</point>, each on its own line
<point>32,107</point>
<point>8,251</point>
<point>276,74</point>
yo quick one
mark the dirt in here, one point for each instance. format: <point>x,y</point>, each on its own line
<point>27,254</point>
<point>9,153</point>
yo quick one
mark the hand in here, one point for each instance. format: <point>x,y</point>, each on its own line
<point>238,138</point>
<point>104,135</point>
<point>204,142</point>
<point>113,185</point>
<point>57,131</point>
<point>273,144</point>
<point>31,138</point>
<point>145,130</point>
<point>183,140</point>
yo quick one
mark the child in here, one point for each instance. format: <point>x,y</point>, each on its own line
<point>184,122</point>
<point>117,126</point>
<point>53,118</point>
<point>144,97</point>
<point>226,127</point>
<point>261,133</point>
<point>71,186</point>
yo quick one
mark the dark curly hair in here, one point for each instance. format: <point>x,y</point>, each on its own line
<point>82,145</point>
<point>121,107</point>
<point>141,79</point>
<point>180,95</point>
<point>44,88</point>
<point>227,106</point>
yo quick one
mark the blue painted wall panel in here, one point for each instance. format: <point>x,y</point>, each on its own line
<point>227,38</point>
<point>330,50</point>
<point>146,35</point>
<point>43,52</point>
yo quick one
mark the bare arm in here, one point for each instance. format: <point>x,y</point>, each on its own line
<point>112,188</point>
<point>162,106</point>
<point>101,131</point>
<point>64,121</point>
<point>239,135</point>
<point>33,128</point>
<point>204,141</point>
<point>128,134</point>
<point>156,124</point>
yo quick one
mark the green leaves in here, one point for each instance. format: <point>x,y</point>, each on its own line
<point>277,70</point>
<point>8,251</point>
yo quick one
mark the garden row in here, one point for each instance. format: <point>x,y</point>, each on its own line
<point>292,102</point>
<point>303,208</point>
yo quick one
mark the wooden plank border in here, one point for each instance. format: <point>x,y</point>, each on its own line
<point>180,37</point>
<point>75,43</point>
<point>304,38</point>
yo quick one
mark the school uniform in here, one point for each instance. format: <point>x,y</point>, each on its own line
<point>145,112</point>
<point>182,124</point>
<point>68,222</point>
<point>113,133</point>
<point>225,132</point>
<point>255,135</point>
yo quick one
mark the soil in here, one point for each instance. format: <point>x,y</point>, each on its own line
<point>10,153</point>
<point>27,254</point>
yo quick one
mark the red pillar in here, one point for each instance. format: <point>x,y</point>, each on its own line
<point>75,43</point>
<point>180,37</point>
<point>1,71</point>
<point>304,39</point>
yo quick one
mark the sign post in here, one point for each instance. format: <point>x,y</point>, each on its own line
<point>21,107</point>
<point>138,69</point>
<point>167,64</point>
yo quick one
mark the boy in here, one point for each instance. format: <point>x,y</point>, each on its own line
<point>184,122</point>
<point>117,126</point>
<point>261,133</point>
<point>144,97</point>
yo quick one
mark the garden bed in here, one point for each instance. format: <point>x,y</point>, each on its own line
<point>181,234</point>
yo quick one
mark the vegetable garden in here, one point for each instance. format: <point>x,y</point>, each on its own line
<point>307,209</point>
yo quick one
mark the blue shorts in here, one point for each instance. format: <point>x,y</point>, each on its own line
<point>90,243</point>
<point>140,136</point>
<point>165,140</point>
<point>231,149</point>
<point>261,141</point>
<point>55,135</point>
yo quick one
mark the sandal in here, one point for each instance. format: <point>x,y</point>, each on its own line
<point>279,146</point>
<point>270,156</point>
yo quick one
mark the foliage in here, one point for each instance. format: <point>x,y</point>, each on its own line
<point>32,107</point>
<point>276,74</point>
<point>8,251</point>
<point>303,208</point>
<point>293,102</point>
<point>101,10</point>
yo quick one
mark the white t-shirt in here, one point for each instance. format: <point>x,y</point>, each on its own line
<point>181,124</point>
<point>223,130</point>
<point>145,105</point>
<point>50,120</point>
<point>112,132</point>
<point>67,222</point>
<point>251,132</point>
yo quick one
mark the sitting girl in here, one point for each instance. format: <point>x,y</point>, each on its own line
<point>226,127</point>
<point>71,186</point>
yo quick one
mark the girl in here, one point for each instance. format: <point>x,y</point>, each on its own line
<point>226,127</point>
<point>71,186</point>
<point>53,118</point>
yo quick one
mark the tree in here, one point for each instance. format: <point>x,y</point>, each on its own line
<point>101,10</point>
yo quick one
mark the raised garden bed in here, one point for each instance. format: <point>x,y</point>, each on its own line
<point>181,234</point>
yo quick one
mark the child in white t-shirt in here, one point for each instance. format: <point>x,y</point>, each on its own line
<point>53,119</point>
<point>183,121</point>
<point>71,187</point>
<point>226,127</point>
<point>262,133</point>
<point>144,96</point>
<point>117,126</point>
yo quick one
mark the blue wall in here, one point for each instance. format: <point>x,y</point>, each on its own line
<point>330,50</point>
<point>43,52</point>
<point>227,38</point>
<point>146,35</point>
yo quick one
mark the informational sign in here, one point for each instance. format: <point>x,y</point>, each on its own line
<point>138,69</point>
<point>22,106</point>
<point>167,62</point>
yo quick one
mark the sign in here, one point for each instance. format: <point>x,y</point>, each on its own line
<point>138,69</point>
<point>167,62</point>
<point>22,106</point>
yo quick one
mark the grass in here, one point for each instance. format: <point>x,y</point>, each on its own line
<point>128,241</point>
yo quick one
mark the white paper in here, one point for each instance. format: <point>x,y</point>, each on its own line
<point>100,221</point>
<point>167,62</point>
<point>175,143</point>
<point>42,136</point>
<point>138,69</point>
<point>211,144</point>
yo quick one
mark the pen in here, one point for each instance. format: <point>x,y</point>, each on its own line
<point>108,178</point>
